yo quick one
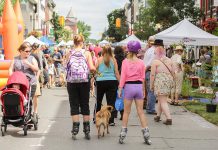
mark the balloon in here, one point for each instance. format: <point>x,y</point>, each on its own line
<point>19,28</point>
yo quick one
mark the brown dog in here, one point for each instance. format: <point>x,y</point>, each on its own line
<point>102,120</point>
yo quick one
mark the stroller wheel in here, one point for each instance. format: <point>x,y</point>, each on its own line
<point>25,129</point>
<point>3,131</point>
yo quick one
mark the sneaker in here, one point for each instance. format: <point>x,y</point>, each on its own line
<point>112,124</point>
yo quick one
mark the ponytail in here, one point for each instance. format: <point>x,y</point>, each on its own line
<point>107,55</point>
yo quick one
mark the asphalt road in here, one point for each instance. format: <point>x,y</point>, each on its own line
<point>188,132</point>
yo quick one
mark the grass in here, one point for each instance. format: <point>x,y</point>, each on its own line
<point>200,108</point>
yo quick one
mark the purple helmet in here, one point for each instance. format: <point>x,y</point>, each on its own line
<point>133,46</point>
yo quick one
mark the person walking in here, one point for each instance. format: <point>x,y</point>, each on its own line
<point>148,58</point>
<point>27,64</point>
<point>162,81</point>
<point>78,65</point>
<point>178,68</point>
<point>51,72</point>
<point>107,80</point>
<point>119,56</point>
<point>132,79</point>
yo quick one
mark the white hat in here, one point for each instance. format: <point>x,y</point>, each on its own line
<point>179,47</point>
<point>151,39</point>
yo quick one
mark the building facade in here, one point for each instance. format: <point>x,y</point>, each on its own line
<point>36,15</point>
<point>209,8</point>
<point>71,21</point>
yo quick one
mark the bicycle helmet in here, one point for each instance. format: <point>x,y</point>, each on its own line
<point>133,46</point>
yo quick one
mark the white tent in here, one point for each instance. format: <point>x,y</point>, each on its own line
<point>187,33</point>
<point>104,42</point>
<point>33,40</point>
<point>131,38</point>
<point>70,43</point>
<point>62,43</point>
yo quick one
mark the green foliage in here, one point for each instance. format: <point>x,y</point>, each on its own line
<point>186,88</point>
<point>117,33</point>
<point>56,25</point>
<point>199,108</point>
<point>2,3</point>
<point>166,13</point>
<point>66,34</point>
<point>84,29</point>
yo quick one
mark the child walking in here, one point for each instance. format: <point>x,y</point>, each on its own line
<point>132,79</point>
<point>51,72</point>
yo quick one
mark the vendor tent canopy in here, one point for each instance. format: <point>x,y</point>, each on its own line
<point>62,43</point>
<point>70,43</point>
<point>186,33</point>
<point>131,38</point>
<point>104,42</point>
<point>33,40</point>
<point>47,41</point>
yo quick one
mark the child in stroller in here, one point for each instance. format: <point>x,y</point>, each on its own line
<point>16,103</point>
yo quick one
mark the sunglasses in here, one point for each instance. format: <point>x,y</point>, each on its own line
<point>27,51</point>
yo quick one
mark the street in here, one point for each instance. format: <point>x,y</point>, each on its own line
<point>188,132</point>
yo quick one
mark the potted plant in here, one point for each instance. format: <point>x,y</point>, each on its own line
<point>211,107</point>
<point>186,88</point>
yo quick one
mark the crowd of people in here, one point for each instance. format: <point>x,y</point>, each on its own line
<point>145,75</point>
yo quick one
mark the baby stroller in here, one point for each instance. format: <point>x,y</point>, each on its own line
<point>15,111</point>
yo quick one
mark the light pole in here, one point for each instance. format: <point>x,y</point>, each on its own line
<point>132,15</point>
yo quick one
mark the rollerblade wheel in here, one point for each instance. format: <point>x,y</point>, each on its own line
<point>121,141</point>
<point>87,136</point>
<point>74,137</point>
<point>25,130</point>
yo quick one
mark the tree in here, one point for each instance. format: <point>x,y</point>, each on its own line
<point>117,33</point>
<point>84,29</point>
<point>56,25</point>
<point>66,34</point>
<point>166,13</point>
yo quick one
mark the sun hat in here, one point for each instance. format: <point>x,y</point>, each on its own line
<point>179,47</point>
<point>151,39</point>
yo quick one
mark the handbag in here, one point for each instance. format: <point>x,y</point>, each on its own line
<point>119,105</point>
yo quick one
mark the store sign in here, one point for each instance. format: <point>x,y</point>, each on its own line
<point>215,3</point>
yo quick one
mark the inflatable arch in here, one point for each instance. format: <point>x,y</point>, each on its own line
<point>12,31</point>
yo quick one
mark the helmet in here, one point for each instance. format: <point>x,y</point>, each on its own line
<point>133,46</point>
<point>91,48</point>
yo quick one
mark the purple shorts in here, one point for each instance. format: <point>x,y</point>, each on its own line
<point>133,91</point>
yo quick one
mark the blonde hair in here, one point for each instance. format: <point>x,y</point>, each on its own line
<point>130,55</point>
<point>107,55</point>
<point>78,39</point>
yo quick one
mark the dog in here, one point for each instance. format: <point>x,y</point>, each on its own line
<point>102,120</point>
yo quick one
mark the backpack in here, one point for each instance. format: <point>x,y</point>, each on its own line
<point>77,67</point>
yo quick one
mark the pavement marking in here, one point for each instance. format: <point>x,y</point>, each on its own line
<point>43,137</point>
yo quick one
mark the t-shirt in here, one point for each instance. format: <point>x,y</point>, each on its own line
<point>132,71</point>
<point>57,56</point>
<point>97,50</point>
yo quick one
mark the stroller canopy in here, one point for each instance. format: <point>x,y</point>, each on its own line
<point>19,77</point>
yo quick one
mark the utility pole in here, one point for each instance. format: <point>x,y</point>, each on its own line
<point>211,9</point>
<point>132,15</point>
